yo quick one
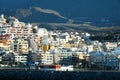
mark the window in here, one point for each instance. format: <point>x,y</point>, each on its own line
<point>15,45</point>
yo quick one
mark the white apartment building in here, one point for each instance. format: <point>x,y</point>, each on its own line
<point>14,27</point>
<point>19,32</point>
<point>110,46</point>
<point>48,58</point>
<point>21,58</point>
<point>89,48</point>
<point>2,19</point>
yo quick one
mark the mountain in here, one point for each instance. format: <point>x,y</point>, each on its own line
<point>99,12</point>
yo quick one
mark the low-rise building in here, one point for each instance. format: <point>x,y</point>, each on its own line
<point>108,46</point>
<point>21,58</point>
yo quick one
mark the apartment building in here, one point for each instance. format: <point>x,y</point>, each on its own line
<point>20,45</point>
<point>108,46</point>
<point>21,58</point>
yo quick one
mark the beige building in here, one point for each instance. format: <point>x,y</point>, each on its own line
<point>46,58</point>
<point>79,55</point>
<point>20,46</point>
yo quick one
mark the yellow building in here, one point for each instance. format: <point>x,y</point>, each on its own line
<point>67,45</point>
<point>51,47</point>
<point>45,47</point>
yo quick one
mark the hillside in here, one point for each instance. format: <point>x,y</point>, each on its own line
<point>100,13</point>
